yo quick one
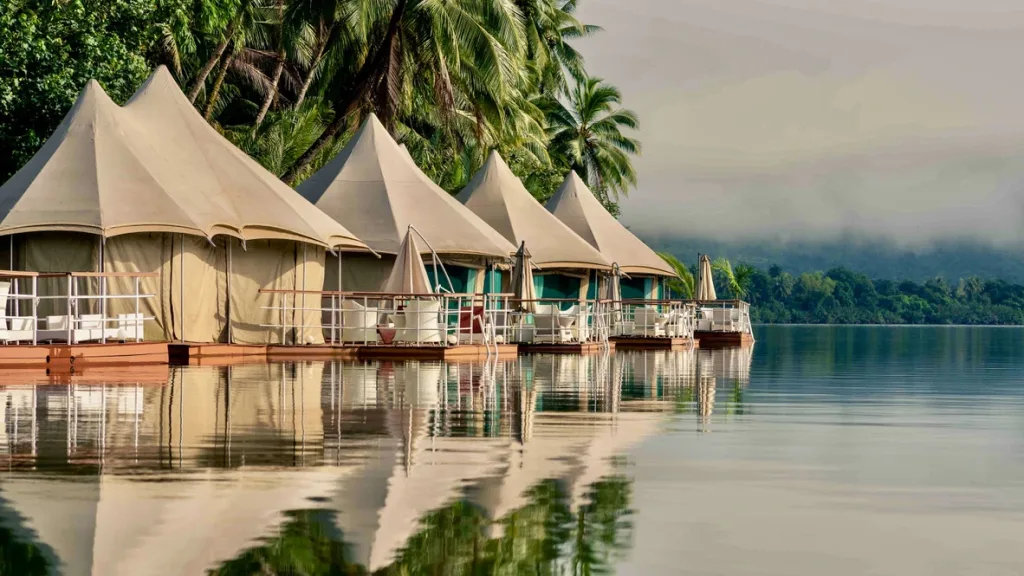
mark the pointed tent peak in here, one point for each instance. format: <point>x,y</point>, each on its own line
<point>499,197</point>
<point>577,206</point>
<point>375,189</point>
<point>160,80</point>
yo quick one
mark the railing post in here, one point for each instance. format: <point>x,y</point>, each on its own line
<point>71,292</point>
<point>137,320</point>
<point>35,310</point>
<point>103,307</point>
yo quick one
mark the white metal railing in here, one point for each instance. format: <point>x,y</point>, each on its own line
<point>559,321</point>
<point>723,316</point>
<point>653,318</point>
<point>20,301</point>
<point>380,319</point>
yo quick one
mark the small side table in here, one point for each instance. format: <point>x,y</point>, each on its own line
<point>387,333</point>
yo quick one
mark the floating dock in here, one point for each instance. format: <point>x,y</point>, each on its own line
<point>654,343</point>
<point>714,339</point>
<point>582,348</point>
<point>79,356</point>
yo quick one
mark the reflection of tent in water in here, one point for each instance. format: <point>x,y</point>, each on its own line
<point>133,525</point>
<point>412,473</point>
<point>732,364</point>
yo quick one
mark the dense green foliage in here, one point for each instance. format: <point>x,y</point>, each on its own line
<point>840,296</point>
<point>49,50</point>
<point>290,80</point>
<point>878,258</point>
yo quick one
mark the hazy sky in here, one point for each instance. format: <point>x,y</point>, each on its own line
<point>801,118</point>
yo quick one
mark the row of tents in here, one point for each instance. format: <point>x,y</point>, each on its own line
<point>151,187</point>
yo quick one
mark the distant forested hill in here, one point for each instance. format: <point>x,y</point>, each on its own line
<point>874,259</point>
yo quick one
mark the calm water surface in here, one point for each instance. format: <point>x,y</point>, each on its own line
<point>819,451</point>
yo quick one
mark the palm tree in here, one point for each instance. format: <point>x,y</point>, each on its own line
<point>424,48</point>
<point>587,133</point>
<point>550,26</point>
<point>683,284</point>
<point>738,279</point>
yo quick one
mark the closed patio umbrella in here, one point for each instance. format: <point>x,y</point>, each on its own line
<point>409,275</point>
<point>522,280</point>
<point>705,284</point>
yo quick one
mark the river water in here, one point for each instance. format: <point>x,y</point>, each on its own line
<point>821,450</point>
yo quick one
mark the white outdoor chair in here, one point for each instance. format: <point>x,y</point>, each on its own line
<point>648,322</point>
<point>358,322</point>
<point>722,320</point>
<point>552,325</point>
<point>422,322</point>
<point>129,327</point>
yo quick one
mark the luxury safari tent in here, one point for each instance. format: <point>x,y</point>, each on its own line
<point>565,267</point>
<point>641,268</point>
<point>375,190</point>
<point>151,188</point>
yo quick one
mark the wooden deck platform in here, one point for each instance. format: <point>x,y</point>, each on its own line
<point>64,356</point>
<point>584,348</point>
<point>654,343</point>
<point>224,354</point>
<point>200,354</point>
<point>458,352</point>
<point>724,339</point>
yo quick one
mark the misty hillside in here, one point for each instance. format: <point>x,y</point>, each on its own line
<point>877,260</point>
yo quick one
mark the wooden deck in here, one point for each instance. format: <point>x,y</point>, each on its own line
<point>584,348</point>
<point>64,357</point>
<point>224,354</point>
<point>654,343</point>
<point>204,354</point>
<point>724,339</point>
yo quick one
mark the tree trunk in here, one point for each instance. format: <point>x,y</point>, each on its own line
<point>309,79</point>
<point>343,106</point>
<point>215,92</point>
<point>278,69</point>
<point>208,67</point>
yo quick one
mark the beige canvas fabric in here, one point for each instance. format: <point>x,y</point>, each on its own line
<point>263,207</point>
<point>56,252</point>
<point>408,275</point>
<point>376,191</point>
<point>143,253</point>
<point>705,280</point>
<point>98,173</point>
<point>497,196</point>
<point>575,205</point>
<point>359,272</point>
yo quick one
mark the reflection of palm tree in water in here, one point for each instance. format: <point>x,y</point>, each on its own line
<point>542,536</point>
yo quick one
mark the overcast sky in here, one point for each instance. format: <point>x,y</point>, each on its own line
<point>803,118</point>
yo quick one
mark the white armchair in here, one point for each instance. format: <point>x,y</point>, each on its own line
<point>422,322</point>
<point>551,324</point>
<point>648,322</point>
<point>358,322</point>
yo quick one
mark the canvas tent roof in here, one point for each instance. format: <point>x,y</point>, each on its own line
<point>497,196</point>
<point>376,190</point>
<point>575,205</point>
<point>99,174</point>
<point>264,206</point>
